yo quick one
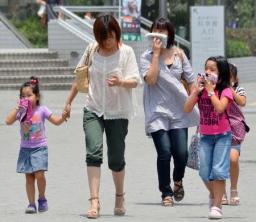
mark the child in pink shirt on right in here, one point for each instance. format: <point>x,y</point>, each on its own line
<point>214,96</point>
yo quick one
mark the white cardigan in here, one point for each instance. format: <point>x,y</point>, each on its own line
<point>112,102</point>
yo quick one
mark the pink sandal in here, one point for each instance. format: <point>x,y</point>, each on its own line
<point>234,199</point>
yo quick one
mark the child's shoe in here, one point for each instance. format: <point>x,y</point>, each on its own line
<point>42,205</point>
<point>31,209</point>
<point>234,199</point>
<point>210,202</point>
<point>215,213</point>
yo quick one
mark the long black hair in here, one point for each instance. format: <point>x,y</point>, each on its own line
<point>33,83</point>
<point>224,72</point>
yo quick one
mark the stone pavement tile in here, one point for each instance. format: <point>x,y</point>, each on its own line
<point>67,189</point>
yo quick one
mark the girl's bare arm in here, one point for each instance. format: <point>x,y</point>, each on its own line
<point>57,120</point>
<point>239,99</point>
<point>11,117</point>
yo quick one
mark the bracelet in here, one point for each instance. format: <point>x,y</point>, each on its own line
<point>16,108</point>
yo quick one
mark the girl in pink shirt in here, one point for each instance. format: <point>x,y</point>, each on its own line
<point>214,96</point>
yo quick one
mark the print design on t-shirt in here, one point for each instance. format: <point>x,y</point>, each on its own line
<point>34,131</point>
<point>207,114</point>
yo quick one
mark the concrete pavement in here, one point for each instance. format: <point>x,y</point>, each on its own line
<point>67,189</point>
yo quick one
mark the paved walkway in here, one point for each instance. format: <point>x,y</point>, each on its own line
<point>67,189</point>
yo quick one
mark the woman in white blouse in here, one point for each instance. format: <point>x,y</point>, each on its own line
<point>108,107</point>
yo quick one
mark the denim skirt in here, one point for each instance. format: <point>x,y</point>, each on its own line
<point>32,159</point>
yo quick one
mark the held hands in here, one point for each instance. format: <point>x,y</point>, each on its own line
<point>114,80</point>
<point>66,112</point>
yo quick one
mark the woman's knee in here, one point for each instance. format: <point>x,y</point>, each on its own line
<point>116,165</point>
<point>95,161</point>
<point>220,173</point>
<point>164,155</point>
<point>94,154</point>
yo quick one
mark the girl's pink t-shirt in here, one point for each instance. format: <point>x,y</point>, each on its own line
<point>211,122</point>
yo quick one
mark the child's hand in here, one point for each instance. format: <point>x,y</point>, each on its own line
<point>209,86</point>
<point>65,115</point>
<point>200,84</point>
<point>66,112</point>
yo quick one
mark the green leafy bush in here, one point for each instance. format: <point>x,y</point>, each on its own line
<point>33,31</point>
<point>247,35</point>
<point>237,48</point>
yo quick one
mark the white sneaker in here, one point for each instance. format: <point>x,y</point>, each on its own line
<point>215,213</point>
<point>210,203</point>
<point>31,209</point>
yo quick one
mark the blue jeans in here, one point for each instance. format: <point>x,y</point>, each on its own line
<point>214,152</point>
<point>172,143</point>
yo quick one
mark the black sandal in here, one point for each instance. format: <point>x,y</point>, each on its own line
<point>178,191</point>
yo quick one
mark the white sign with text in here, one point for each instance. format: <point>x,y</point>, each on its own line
<point>207,34</point>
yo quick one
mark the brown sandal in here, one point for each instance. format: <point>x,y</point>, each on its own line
<point>94,213</point>
<point>167,201</point>
<point>120,211</point>
<point>178,191</point>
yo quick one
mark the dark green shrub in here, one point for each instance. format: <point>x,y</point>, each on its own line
<point>237,48</point>
<point>33,31</point>
<point>247,35</point>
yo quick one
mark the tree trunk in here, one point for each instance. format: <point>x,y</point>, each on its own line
<point>13,6</point>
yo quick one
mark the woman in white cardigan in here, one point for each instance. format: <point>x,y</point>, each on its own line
<point>108,107</point>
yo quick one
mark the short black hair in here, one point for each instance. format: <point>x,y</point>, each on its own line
<point>165,24</point>
<point>103,26</point>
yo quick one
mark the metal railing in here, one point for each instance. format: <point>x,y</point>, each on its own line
<point>179,40</point>
<point>83,28</point>
<point>12,28</point>
<point>70,10</point>
<point>70,15</point>
<point>93,8</point>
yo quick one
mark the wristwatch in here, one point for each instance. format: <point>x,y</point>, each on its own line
<point>210,94</point>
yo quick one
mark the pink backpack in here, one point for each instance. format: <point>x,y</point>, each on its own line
<point>237,123</point>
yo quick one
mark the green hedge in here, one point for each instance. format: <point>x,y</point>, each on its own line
<point>245,35</point>
<point>33,31</point>
<point>237,48</point>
